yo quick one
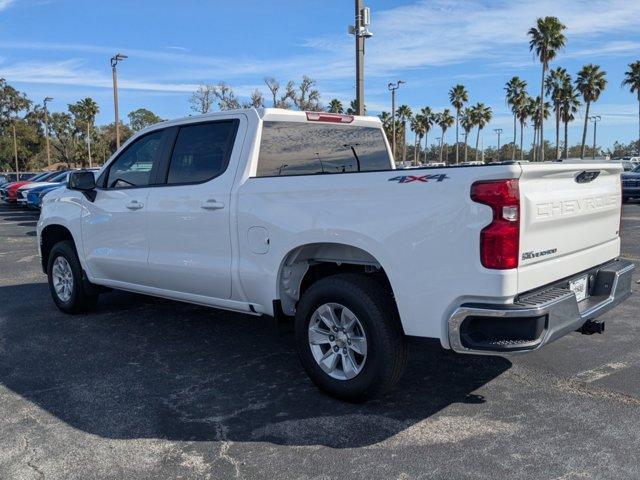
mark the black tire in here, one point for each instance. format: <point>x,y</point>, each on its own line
<point>386,346</point>
<point>79,301</point>
<point>626,199</point>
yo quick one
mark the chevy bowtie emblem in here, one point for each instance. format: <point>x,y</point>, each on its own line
<point>587,176</point>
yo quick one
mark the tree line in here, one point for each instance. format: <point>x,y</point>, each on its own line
<point>559,93</point>
<point>74,139</point>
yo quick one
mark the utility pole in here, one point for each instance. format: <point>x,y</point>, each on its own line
<point>595,119</point>
<point>499,132</point>
<point>15,149</point>
<point>392,88</point>
<point>114,62</point>
<point>46,129</point>
<point>361,31</point>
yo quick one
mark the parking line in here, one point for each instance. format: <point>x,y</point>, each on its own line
<point>598,373</point>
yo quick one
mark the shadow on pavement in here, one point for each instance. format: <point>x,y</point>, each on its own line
<point>141,367</point>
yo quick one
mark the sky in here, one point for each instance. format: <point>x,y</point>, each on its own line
<point>61,49</point>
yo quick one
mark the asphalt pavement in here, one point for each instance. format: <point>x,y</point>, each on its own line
<point>148,388</point>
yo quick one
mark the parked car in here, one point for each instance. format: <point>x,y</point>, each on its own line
<point>21,194</point>
<point>631,184</point>
<point>303,216</point>
<point>9,191</point>
<point>36,194</point>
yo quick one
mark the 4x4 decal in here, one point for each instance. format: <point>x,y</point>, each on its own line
<point>421,178</point>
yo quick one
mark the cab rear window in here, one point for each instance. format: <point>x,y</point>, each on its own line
<point>299,148</point>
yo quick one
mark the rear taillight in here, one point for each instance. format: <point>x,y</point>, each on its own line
<point>500,240</point>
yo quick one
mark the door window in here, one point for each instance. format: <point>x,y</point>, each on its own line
<point>201,152</point>
<point>134,166</point>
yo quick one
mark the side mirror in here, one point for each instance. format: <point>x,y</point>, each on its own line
<point>83,181</point>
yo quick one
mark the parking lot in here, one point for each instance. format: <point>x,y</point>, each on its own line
<point>147,388</point>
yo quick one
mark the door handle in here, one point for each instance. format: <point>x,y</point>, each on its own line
<point>211,204</point>
<point>134,205</point>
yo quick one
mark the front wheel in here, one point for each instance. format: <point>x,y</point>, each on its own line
<point>349,337</point>
<point>65,280</point>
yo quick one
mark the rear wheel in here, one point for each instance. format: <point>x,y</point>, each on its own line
<point>349,337</point>
<point>65,280</point>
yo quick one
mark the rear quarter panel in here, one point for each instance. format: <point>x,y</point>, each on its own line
<point>423,232</point>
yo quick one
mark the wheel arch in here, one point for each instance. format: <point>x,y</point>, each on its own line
<point>50,235</point>
<point>307,263</point>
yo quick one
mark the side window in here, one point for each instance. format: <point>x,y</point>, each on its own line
<point>201,152</point>
<point>133,167</point>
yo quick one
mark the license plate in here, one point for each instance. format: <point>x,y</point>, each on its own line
<point>579,287</point>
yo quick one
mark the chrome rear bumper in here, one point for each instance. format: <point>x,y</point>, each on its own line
<point>539,317</point>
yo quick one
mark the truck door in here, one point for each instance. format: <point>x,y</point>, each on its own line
<point>189,217</point>
<point>114,224</point>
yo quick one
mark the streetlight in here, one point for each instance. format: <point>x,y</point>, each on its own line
<point>499,132</point>
<point>46,129</point>
<point>361,31</point>
<point>392,88</point>
<point>114,62</point>
<point>595,119</point>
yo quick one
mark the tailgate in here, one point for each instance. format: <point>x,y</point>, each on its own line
<point>570,219</point>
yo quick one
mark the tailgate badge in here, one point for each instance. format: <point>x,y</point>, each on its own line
<point>587,176</point>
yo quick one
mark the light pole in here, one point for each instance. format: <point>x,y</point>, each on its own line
<point>499,132</point>
<point>392,88</point>
<point>15,149</point>
<point>595,119</point>
<point>361,31</point>
<point>114,62</point>
<point>46,129</point>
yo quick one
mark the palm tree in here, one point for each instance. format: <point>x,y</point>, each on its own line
<point>546,39</point>
<point>515,88</point>
<point>467,122</point>
<point>554,84</point>
<point>591,82</point>
<point>481,115</point>
<point>87,109</point>
<point>335,106</point>
<point>570,103</point>
<point>444,121</point>
<point>458,96</point>
<point>632,80</point>
<point>538,117</point>
<point>417,125</point>
<point>523,104</point>
<point>385,118</point>
<point>404,114</point>
<point>427,119</point>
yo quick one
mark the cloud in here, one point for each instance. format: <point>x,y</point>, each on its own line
<point>72,72</point>
<point>444,32</point>
<point>608,49</point>
<point>4,4</point>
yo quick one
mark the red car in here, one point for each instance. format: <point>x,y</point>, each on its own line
<point>11,191</point>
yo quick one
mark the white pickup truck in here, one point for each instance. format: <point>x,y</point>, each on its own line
<point>302,215</point>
